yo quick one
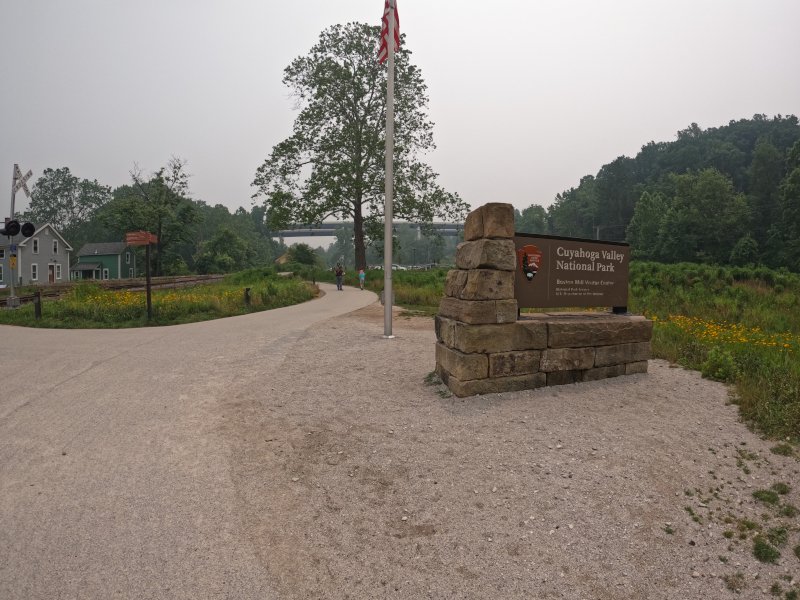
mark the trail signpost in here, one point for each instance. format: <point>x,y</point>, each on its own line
<point>144,238</point>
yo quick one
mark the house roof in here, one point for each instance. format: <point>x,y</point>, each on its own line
<point>107,248</point>
<point>55,232</point>
<point>85,267</point>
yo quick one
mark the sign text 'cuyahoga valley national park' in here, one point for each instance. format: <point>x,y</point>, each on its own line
<point>558,272</point>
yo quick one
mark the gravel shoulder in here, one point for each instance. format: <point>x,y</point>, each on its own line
<point>355,478</point>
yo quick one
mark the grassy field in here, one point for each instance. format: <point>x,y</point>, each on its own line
<point>88,305</point>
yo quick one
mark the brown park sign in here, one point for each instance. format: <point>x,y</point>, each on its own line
<point>562,272</point>
<point>140,238</point>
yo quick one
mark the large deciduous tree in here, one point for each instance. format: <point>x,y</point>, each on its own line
<point>333,163</point>
<point>65,201</point>
<point>158,205</point>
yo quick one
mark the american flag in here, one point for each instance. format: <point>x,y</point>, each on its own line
<point>383,51</point>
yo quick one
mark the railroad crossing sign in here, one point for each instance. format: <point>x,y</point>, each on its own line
<point>20,181</point>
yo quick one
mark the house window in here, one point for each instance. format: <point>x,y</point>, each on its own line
<point>55,246</point>
<point>1,272</point>
<point>127,258</point>
<point>2,253</point>
<point>35,246</point>
<point>34,271</point>
<point>130,273</point>
<point>105,273</point>
<point>58,271</point>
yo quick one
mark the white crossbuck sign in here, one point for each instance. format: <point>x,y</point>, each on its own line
<point>21,180</point>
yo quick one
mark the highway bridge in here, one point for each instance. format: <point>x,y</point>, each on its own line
<point>329,229</point>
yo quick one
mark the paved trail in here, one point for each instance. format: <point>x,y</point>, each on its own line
<point>114,478</point>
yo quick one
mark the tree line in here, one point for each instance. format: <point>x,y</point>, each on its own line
<point>723,195</point>
<point>193,236</point>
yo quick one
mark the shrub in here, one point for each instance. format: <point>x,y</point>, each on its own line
<point>763,551</point>
<point>720,365</point>
<point>766,496</point>
<point>781,488</point>
<point>778,536</point>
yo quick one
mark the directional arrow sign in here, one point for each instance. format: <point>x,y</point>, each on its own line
<point>21,181</point>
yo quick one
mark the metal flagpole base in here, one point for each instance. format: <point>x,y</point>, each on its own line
<point>388,337</point>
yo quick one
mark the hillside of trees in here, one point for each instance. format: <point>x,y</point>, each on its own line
<point>723,195</point>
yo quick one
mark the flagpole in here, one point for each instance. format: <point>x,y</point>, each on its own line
<point>387,232</point>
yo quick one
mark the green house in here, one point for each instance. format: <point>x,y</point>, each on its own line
<point>113,260</point>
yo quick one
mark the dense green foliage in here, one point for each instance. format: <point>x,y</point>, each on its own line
<point>724,195</point>
<point>303,254</point>
<point>88,305</point>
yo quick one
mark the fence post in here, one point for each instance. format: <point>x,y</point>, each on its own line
<point>37,304</point>
<point>247,296</point>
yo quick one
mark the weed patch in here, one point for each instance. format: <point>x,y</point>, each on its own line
<point>778,536</point>
<point>766,496</point>
<point>736,582</point>
<point>763,551</point>
<point>780,488</point>
<point>782,450</point>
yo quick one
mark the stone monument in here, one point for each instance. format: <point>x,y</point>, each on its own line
<point>483,346</point>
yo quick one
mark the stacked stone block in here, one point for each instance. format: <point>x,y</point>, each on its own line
<point>483,348</point>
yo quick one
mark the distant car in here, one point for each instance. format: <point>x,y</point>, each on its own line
<point>398,268</point>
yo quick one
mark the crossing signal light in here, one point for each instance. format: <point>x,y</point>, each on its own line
<point>28,229</point>
<point>13,227</point>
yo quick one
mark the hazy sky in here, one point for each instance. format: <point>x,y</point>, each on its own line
<point>527,97</point>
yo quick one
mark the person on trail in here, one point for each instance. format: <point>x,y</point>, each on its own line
<point>339,272</point>
<point>362,277</point>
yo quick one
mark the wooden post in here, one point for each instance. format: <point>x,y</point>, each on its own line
<point>37,304</point>
<point>147,272</point>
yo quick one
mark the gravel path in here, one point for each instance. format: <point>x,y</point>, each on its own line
<point>357,479</point>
